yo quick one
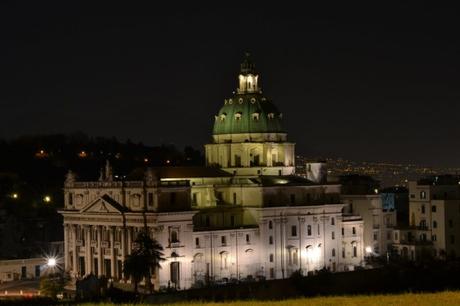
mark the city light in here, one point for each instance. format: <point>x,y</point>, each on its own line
<point>47,199</point>
<point>146,160</point>
<point>15,196</point>
<point>368,249</point>
<point>51,262</point>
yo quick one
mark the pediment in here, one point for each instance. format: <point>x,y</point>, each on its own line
<point>103,204</point>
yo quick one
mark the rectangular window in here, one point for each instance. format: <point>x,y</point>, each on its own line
<point>423,209</point>
<point>433,238</point>
<point>433,208</point>
<point>172,198</point>
<point>319,233</point>
<point>332,221</point>
<point>248,238</point>
<point>237,161</point>
<point>232,220</point>
<point>223,240</point>
<point>194,198</point>
<point>375,236</point>
<point>70,199</point>
<point>332,235</point>
<point>150,199</point>
<point>353,230</point>
<point>271,257</point>
<point>343,231</point>
<point>292,198</point>
<point>197,242</point>
<point>343,252</point>
<point>293,231</point>
<point>270,240</point>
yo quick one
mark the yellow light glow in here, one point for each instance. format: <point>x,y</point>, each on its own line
<point>82,154</point>
<point>368,249</point>
<point>47,199</point>
<point>146,160</point>
<point>15,196</point>
<point>168,161</point>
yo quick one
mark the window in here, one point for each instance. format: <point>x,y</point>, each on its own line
<point>435,224</point>
<point>353,230</point>
<point>234,198</point>
<point>248,238</point>
<point>270,240</point>
<point>270,224</point>
<point>423,209</point>
<point>194,198</point>
<point>150,198</point>
<point>412,196</point>
<point>333,252</point>
<point>292,198</point>
<point>332,235</point>
<point>433,238</point>
<point>197,242</point>
<point>375,236</point>
<point>232,220</point>
<point>343,252</point>
<point>172,198</point>
<point>318,230</point>
<point>237,161</point>
<point>272,273</point>
<point>433,208</point>
<point>422,195</point>
<point>355,251</point>
<point>343,231</point>
<point>293,231</point>
<point>255,116</point>
<point>332,221</point>
<point>271,258</point>
<point>70,199</point>
<point>238,116</point>
<point>174,238</point>
<point>309,230</point>
<point>223,260</point>
<point>223,240</point>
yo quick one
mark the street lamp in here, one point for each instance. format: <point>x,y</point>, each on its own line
<point>51,262</point>
<point>47,199</point>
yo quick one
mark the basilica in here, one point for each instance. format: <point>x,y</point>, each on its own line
<point>246,215</point>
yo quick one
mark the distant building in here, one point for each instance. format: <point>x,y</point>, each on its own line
<point>434,219</point>
<point>361,196</point>
<point>397,198</point>
<point>244,216</point>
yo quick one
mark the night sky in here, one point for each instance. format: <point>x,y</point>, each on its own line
<point>363,83</point>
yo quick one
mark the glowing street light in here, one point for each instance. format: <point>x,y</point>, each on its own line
<point>47,199</point>
<point>51,262</point>
<point>368,250</point>
<point>15,195</point>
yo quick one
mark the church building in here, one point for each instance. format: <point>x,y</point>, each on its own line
<point>245,216</point>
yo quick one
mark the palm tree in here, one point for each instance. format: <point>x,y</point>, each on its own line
<point>144,258</point>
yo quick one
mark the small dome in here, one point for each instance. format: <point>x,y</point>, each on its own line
<point>252,114</point>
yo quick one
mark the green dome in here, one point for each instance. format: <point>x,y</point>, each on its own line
<point>248,113</point>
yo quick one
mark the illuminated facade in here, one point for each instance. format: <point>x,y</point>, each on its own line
<point>244,216</point>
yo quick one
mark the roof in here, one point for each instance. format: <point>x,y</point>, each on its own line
<point>248,113</point>
<point>178,172</point>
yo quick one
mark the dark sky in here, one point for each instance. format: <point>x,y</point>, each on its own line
<point>364,83</point>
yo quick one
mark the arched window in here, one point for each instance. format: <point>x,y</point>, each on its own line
<point>309,230</point>
<point>223,260</point>
<point>238,115</point>
<point>223,116</point>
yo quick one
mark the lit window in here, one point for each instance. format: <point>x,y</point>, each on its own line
<point>271,115</point>
<point>223,116</point>
<point>238,116</point>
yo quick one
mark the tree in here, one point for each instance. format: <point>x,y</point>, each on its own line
<point>144,258</point>
<point>52,284</point>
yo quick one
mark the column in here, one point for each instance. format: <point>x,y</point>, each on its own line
<point>130,243</point>
<point>87,249</point>
<point>66,247</point>
<point>74,254</point>
<point>112,251</point>
<point>123,248</point>
<point>100,257</point>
